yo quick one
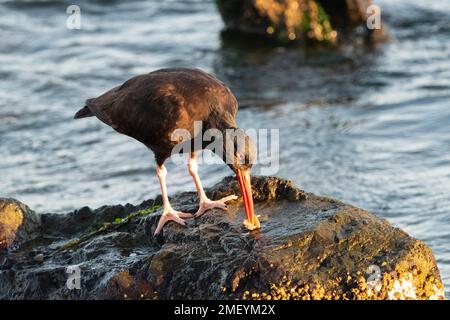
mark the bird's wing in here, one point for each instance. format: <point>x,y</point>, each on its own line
<point>114,105</point>
<point>149,106</point>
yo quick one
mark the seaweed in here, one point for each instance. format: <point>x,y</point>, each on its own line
<point>108,227</point>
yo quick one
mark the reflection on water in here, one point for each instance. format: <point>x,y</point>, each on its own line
<point>369,126</point>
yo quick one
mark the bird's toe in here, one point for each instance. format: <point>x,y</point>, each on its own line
<point>176,216</point>
<point>184,215</point>
<point>228,198</point>
<point>208,205</point>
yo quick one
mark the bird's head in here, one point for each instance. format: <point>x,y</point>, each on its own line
<point>240,151</point>
<point>240,155</point>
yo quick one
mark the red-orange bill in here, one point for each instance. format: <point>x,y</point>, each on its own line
<point>246,190</point>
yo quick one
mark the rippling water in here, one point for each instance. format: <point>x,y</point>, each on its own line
<point>368,126</point>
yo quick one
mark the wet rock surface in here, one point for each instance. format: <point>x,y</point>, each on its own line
<point>309,247</point>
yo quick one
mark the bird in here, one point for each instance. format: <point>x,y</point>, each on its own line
<point>152,106</point>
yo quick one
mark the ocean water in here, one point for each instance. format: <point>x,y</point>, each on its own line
<point>369,126</point>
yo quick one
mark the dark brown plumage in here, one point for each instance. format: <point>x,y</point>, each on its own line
<point>150,107</point>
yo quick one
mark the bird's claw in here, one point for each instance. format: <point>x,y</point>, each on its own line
<point>207,204</point>
<point>171,215</point>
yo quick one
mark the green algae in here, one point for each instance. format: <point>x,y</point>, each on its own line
<point>108,227</point>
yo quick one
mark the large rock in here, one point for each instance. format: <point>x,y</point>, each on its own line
<point>300,21</point>
<point>309,247</point>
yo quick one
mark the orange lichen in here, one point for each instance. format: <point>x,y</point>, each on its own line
<point>392,287</point>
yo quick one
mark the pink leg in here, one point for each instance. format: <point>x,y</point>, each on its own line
<point>205,203</point>
<point>169,214</point>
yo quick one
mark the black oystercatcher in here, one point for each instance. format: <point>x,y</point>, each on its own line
<point>150,107</point>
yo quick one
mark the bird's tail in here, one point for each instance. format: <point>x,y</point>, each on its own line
<point>83,113</point>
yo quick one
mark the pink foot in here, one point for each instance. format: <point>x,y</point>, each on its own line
<point>207,204</point>
<point>171,215</point>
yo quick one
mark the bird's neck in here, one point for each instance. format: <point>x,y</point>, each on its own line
<point>222,127</point>
<point>221,121</point>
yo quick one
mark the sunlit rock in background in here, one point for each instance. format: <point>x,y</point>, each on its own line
<point>17,223</point>
<point>300,21</point>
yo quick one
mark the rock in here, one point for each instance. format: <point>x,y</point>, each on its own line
<point>309,247</point>
<point>347,16</point>
<point>299,21</point>
<point>17,223</point>
<point>39,257</point>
